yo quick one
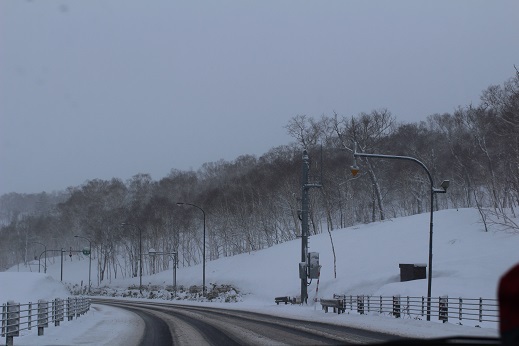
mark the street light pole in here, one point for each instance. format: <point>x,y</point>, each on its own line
<point>443,189</point>
<point>89,260</point>
<point>45,252</point>
<point>62,263</point>
<point>140,252</point>
<point>203,252</point>
<point>39,259</point>
<point>45,248</point>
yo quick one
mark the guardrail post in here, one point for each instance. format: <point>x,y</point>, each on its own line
<point>67,305</point>
<point>4,318</point>
<point>61,310</point>
<point>43,316</point>
<point>480,309</point>
<point>423,305</point>
<point>13,322</point>
<point>53,311</point>
<point>29,316</point>
<point>443,308</point>
<point>82,312</point>
<point>380,311</point>
<point>87,304</point>
<point>55,305</point>
<point>396,306</point>
<point>460,309</point>
<point>360,305</point>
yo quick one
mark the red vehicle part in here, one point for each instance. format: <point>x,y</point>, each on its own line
<point>508,296</point>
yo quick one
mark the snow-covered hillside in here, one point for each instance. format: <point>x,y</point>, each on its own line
<point>467,261</point>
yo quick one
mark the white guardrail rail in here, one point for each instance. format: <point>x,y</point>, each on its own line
<point>444,308</point>
<point>17,317</point>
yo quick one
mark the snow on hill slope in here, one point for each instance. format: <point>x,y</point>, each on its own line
<point>467,261</point>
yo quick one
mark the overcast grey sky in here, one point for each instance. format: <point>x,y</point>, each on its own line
<point>111,88</point>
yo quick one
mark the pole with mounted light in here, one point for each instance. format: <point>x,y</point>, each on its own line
<point>153,252</point>
<point>39,258</point>
<point>45,253</point>
<point>140,251</point>
<point>89,259</point>
<point>443,189</point>
<point>203,251</point>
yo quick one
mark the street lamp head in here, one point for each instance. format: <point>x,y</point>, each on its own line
<point>354,170</point>
<point>180,203</point>
<point>443,187</point>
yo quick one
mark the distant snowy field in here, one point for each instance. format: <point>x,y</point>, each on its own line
<point>467,262</point>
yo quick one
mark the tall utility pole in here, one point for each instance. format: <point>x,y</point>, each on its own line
<point>304,224</point>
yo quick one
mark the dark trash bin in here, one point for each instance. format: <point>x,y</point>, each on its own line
<point>413,271</point>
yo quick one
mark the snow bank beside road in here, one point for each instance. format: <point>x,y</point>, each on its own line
<point>102,325</point>
<point>29,287</point>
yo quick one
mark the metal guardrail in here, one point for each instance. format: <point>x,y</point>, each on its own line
<point>445,308</point>
<point>17,317</point>
<point>337,303</point>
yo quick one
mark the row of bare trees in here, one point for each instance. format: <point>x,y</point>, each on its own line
<point>253,203</point>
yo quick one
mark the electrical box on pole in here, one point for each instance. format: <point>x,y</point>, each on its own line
<point>313,265</point>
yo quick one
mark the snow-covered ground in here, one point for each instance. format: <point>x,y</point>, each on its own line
<point>468,263</point>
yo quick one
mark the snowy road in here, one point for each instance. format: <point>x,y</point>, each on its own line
<point>139,322</point>
<point>189,325</point>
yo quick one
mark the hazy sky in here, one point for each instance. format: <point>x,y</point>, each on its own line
<point>111,88</point>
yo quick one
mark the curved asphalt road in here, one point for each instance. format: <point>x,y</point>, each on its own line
<point>170,324</point>
<point>156,331</point>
